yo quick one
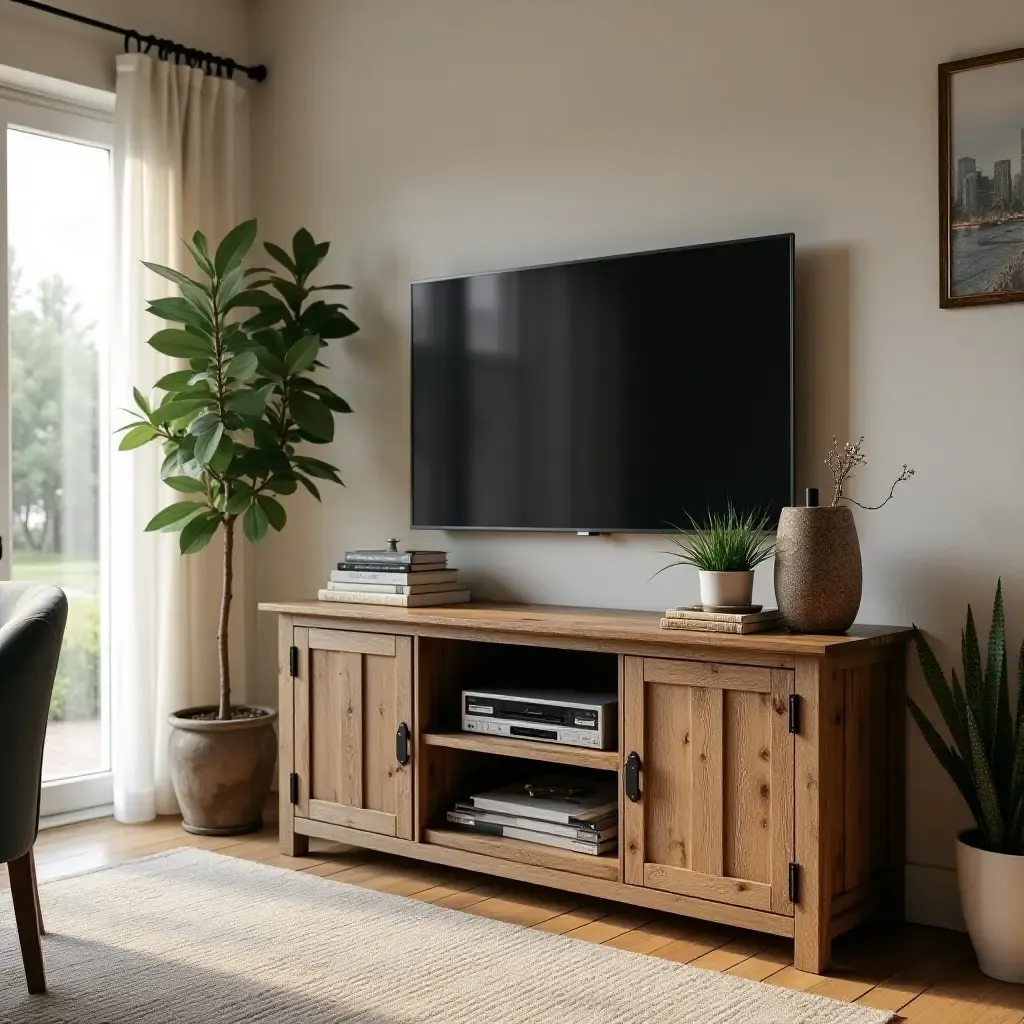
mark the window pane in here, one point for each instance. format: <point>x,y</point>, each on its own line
<point>58,233</point>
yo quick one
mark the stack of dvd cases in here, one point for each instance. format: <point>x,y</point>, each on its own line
<point>563,811</point>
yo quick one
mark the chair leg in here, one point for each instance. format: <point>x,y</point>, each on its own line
<point>35,889</point>
<point>25,896</point>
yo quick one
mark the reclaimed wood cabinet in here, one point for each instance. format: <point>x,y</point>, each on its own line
<point>761,777</point>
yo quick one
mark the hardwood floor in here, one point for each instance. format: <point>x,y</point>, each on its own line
<point>926,974</point>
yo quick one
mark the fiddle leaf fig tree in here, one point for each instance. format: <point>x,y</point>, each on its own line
<point>233,422</point>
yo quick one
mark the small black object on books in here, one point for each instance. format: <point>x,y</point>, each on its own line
<point>405,579</point>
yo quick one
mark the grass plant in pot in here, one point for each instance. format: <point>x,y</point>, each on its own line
<point>724,549</point>
<point>986,762</point>
<point>231,423</point>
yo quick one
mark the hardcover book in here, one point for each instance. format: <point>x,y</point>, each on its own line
<point>399,578</point>
<point>696,612</point>
<point>393,588</point>
<point>396,600</point>
<point>565,800</point>
<point>363,566</point>
<point>530,836</point>
<point>389,557</point>
<point>599,831</point>
<point>705,626</point>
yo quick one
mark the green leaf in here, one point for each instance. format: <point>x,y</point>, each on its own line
<point>181,345</point>
<point>282,484</point>
<point>175,276</point>
<point>199,256</point>
<point>309,485</point>
<point>940,690</point>
<point>276,514</point>
<point>203,423</point>
<point>141,402</point>
<point>281,256</point>
<point>241,496</point>
<point>255,523</point>
<point>339,326</point>
<point>954,765</point>
<point>997,697</point>
<point>304,248</point>
<point>139,435</point>
<point>316,468</point>
<point>179,310</point>
<point>292,293</point>
<point>251,402</point>
<point>207,442</point>
<point>199,241</point>
<point>231,285</point>
<point>302,354</point>
<point>175,381</point>
<point>186,484</point>
<point>175,410</point>
<point>198,533</point>
<point>234,247</point>
<point>331,288</point>
<point>333,402</point>
<point>243,366</point>
<point>991,820</point>
<point>222,456</point>
<point>312,416</point>
<point>173,514</point>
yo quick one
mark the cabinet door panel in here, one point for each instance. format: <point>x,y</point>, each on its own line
<point>715,815</point>
<point>352,693</point>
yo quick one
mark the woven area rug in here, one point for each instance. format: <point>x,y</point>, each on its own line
<point>192,936</point>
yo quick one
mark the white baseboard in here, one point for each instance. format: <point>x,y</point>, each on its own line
<point>932,897</point>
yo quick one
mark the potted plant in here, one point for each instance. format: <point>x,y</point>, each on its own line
<point>231,424</point>
<point>725,549</point>
<point>986,761</point>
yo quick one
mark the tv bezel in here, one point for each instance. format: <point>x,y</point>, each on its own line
<point>600,530</point>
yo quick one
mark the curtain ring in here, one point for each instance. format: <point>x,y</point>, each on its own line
<point>129,36</point>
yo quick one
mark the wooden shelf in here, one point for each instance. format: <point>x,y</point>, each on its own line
<point>532,750</point>
<point>605,866</point>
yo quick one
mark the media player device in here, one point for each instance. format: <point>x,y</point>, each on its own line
<point>572,717</point>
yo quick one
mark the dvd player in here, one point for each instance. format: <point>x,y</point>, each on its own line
<point>570,717</point>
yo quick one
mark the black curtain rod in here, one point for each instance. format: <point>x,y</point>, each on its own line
<point>166,49</point>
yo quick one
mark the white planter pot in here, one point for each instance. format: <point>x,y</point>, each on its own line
<point>726,589</point>
<point>992,897</point>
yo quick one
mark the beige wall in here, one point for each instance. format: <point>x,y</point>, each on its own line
<point>435,138</point>
<point>46,45</point>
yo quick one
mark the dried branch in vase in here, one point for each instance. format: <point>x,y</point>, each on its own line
<point>841,463</point>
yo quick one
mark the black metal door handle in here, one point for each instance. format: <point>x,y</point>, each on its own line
<point>402,744</point>
<point>631,776</point>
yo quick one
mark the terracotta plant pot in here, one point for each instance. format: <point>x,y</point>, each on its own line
<point>992,898</point>
<point>726,589</point>
<point>221,771</point>
<point>818,572</point>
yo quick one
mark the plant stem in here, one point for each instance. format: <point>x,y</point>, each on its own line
<point>224,712</point>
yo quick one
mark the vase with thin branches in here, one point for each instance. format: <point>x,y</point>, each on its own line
<point>235,420</point>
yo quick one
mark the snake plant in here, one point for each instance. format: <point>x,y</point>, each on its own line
<point>986,756</point>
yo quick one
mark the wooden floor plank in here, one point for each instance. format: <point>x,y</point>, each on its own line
<point>925,974</point>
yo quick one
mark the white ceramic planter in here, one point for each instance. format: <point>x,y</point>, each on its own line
<point>726,589</point>
<point>992,898</point>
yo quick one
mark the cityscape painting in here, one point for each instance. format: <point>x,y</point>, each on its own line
<point>981,138</point>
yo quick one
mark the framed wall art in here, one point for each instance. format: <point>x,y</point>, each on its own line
<point>981,180</point>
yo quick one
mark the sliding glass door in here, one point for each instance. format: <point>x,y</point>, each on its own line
<point>56,221</point>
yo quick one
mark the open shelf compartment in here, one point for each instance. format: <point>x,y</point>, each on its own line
<point>533,750</point>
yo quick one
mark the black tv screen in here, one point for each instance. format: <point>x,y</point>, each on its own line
<point>605,395</point>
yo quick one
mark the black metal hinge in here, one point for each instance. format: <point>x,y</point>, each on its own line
<point>794,882</point>
<point>794,713</point>
<point>293,788</point>
<point>293,662</point>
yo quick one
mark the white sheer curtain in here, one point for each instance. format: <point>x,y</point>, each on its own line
<point>180,160</point>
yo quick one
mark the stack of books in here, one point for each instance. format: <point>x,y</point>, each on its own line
<point>406,579</point>
<point>693,617</point>
<point>553,811</point>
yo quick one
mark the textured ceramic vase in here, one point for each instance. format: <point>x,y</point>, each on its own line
<point>818,573</point>
<point>221,771</point>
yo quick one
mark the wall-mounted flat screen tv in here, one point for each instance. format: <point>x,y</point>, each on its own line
<point>605,395</point>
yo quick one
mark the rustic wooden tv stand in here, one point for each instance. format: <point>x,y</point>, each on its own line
<point>771,766</point>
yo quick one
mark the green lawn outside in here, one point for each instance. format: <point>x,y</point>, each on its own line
<point>77,577</point>
<point>76,690</point>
